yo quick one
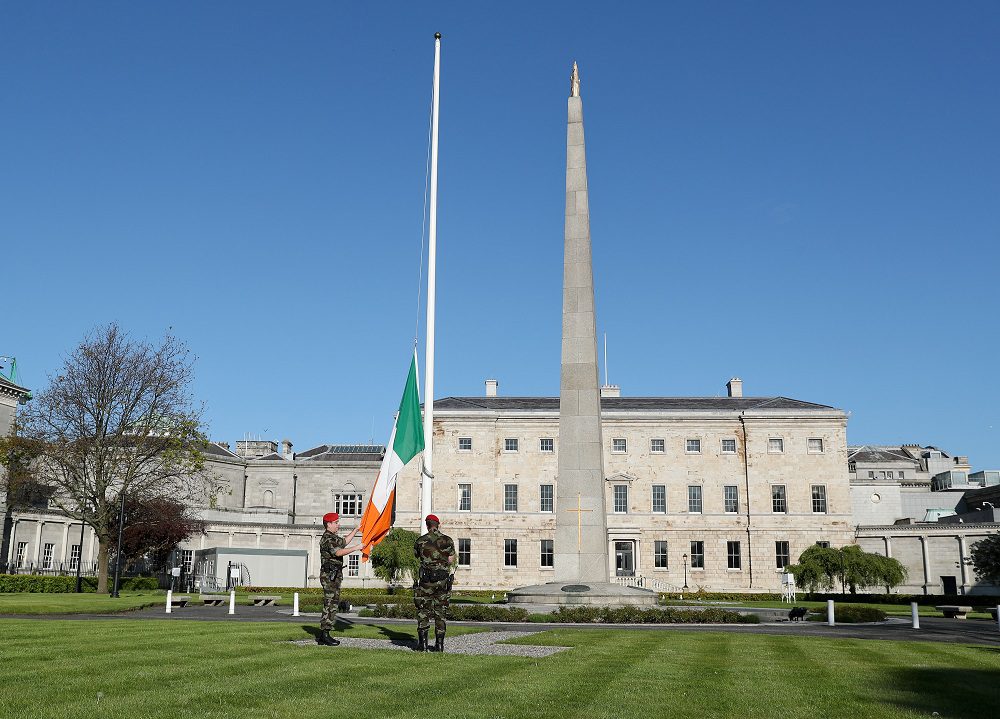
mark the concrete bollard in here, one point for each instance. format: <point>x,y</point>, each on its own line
<point>295,605</point>
<point>232,602</point>
<point>829,613</point>
<point>915,613</point>
<point>170,599</point>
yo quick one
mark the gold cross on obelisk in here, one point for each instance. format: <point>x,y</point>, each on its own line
<point>579,521</point>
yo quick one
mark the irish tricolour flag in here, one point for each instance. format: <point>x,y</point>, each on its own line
<point>406,442</point>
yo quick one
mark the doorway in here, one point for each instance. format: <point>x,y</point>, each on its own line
<point>950,585</point>
<point>625,559</point>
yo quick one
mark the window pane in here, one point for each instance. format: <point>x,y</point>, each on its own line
<point>777,498</point>
<point>510,552</point>
<point>815,445</point>
<point>510,444</point>
<point>465,497</point>
<point>733,554</point>
<point>548,555</point>
<point>819,498</point>
<point>729,446</point>
<point>660,554</point>
<point>775,444</point>
<point>546,444</point>
<point>698,555</point>
<point>464,552</point>
<point>732,497</point>
<point>621,498</point>
<point>657,445</point>
<point>510,498</point>
<point>694,499</point>
<point>693,445</point>
<point>781,555</point>
<point>465,444</point>
<point>618,445</point>
<point>659,498</point>
<point>546,502</point>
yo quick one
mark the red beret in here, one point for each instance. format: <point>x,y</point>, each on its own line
<point>432,518</point>
<point>330,517</point>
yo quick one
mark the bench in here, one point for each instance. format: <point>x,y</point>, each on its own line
<point>953,611</point>
<point>264,600</point>
<point>214,599</point>
<point>179,601</point>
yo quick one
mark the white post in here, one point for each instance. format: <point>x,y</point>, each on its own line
<point>914,612</point>
<point>295,605</point>
<point>232,601</point>
<point>426,489</point>
<point>998,616</point>
<point>170,599</point>
<point>829,613</point>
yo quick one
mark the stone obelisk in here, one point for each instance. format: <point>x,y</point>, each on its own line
<point>581,540</point>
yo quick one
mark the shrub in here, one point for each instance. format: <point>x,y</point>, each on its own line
<point>703,596</point>
<point>850,614</point>
<point>36,583</point>
<point>637,615</point>
<point>464,613</point>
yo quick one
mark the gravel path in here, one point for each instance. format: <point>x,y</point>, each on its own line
<point>486,643</point>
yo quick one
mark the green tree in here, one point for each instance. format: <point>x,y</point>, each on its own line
<point>985,558</point>
<point>117,420</point>
<point>820,568</point>
<point>393,559</point>
<point>817,569</point>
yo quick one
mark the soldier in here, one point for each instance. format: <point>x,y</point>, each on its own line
<point>437,557</point>
<point>332,550</point>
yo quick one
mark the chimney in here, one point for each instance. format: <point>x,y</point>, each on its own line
<point>491,387</point>
<point>735,387</point>
<point>286,449</point>
<point>611,390</point>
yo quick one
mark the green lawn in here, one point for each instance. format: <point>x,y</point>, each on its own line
<point>893,610</point>
<point>86,603</point>
<point>232,670</point>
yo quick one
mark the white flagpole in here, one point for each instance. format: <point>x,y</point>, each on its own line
<point>427,480</point>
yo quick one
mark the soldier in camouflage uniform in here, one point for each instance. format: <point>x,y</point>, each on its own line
<point>332,550</point>
<point>437,557</point>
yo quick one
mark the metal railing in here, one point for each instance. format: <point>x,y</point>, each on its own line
<point>642,582</point>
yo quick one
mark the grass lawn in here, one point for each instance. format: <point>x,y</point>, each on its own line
<point>153,668</point>
<point>893,610</point>
<point>85,603</point>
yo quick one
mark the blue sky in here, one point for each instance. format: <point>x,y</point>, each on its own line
<point>801,194</point>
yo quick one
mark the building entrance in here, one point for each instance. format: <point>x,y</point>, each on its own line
<point>625,559</point>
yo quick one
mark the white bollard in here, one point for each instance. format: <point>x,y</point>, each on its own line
<point>232,602</point>
<point>916,615</point>
<point>998,616</point>
<point>170,597</point>
<point>295,605</point>
<point>829,613</point>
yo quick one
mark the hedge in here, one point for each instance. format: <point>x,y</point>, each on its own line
<point>720,596</point>
<point>849,614</point>
<point>461,613</point>
<point>637,615</point>
<point>38,584</point>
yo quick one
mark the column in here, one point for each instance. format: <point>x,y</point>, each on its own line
<point>38,540</point>
<point>888,545</point>
<point>258,538</point>
<point>926,561</point>
<point>961,564</point>
<point>65,545</point>
<point>12,550</point>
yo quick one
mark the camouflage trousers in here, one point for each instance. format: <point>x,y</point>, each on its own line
<point>431,600</point>
<point>331,599</point>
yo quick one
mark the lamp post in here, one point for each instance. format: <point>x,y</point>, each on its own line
<point>685,572</point>
<point>118,554</point>
<point>79,560</point>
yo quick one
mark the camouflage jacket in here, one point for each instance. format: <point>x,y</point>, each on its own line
<point>329,562</point>
<point>435,552</point>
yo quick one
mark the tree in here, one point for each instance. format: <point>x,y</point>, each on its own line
<point>18,487</point>
<point>820,567</point>
<point>153,528</point>
<point>985,558</point>
<point>393,559</point>
<point>117,418</point>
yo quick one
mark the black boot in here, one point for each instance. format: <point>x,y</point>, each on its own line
<point>421,640</point>
<point>439,641</point>
<point>326,640</point>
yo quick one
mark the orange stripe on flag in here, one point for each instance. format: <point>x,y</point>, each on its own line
<point>375,525</point>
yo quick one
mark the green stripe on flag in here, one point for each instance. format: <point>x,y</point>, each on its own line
<point>409,425</point>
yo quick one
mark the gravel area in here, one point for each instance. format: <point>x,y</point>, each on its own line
<point>487,643</point>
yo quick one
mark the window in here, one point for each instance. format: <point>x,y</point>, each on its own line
<point>187,560</point>
<point>815,446</point>
<point>888,474</point>
<point>545,502</point>
<point>510,444</point>
<point>900,474</point>
<point>548,554</point>
<point>510,498</point>
<point>782,555</point>
<point>729,446</point>
<point>465,444</point>
<point>464,552</point>
<point>778,498</point>
<point>819,498</point>
<point>694,499</point>
<point>268,498</point>
<point>510,552</point>
<point>619,446</point>
<point>657,446</point>
<point>732,498</point>
<point>47,556</point>
<point>465,498</point>
<point>353,565</point>
<point>697,555</point>
<point>74,557</point>
<point>692,446</point>
<point>775,445</point>
<point>660,554</point>
<point>21,548</point>
<point>825,545</point>
<point>546,444</point>
<point>621,498</point>
<point>347,505</point>
<point>660,498</point>
<point>733,555</point>
<point>871,474</point>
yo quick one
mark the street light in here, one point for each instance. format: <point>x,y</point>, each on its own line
<point>118,555</point>
<point>685,572</point>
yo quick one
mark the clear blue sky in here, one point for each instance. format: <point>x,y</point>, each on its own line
<point>806,195</point>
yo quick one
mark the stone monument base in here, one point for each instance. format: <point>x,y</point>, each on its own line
<point>597,594</point>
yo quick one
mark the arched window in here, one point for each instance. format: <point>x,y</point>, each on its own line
<point>268,498</point>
